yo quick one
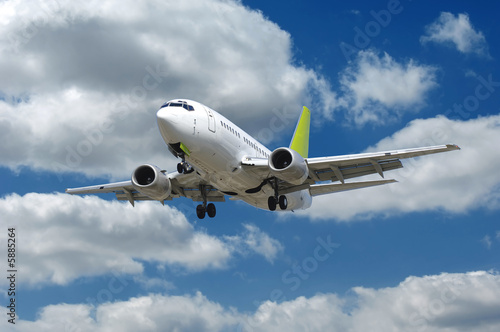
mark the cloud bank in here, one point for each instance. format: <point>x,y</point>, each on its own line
<point>67,237</point>
<point>436,303</point>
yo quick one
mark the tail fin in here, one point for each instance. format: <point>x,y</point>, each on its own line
<point>300,140</point>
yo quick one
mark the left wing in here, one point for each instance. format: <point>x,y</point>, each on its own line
<point>183,185</point>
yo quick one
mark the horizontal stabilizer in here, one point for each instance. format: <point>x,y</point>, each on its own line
<point>322,189</point>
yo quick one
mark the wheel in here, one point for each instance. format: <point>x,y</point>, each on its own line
<point>200,211</point>
<point>283,202</point>
<point>271,202</point>
<point>180,168</point>
<point>211,210</point>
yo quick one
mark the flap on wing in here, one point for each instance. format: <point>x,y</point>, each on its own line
<point>321,189</point>
<point>378,156</point>
<point>341,173</point>
<point>343,167</point>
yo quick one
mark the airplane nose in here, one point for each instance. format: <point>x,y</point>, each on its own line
<point>167,116</point>
<point>168,123</point>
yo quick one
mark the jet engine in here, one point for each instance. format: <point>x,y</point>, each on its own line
<point>149,180</point>
<point>288,165</point>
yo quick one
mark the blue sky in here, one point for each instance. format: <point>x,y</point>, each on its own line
<point>418,255</point>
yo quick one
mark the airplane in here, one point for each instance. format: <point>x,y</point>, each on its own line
<point>219,160</point>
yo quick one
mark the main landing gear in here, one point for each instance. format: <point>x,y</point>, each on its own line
<point>277,199</point>
<point>205,208</point>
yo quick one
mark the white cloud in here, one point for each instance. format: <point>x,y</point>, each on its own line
<point>256,241</point>
<point>73,67</point>
<point>147,313</point>
<point>445,302</point>
<point>456,182</point>
<point>153,283</point>
<point>378,89</point>
<point>486,240</point>
<point>456,30</point>
<point>438,303</point>
<point>65,237</point>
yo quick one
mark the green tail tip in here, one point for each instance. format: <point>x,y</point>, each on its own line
<point>300,140</point>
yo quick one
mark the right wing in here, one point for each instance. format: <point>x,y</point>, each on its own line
<point>339,168</point>
<point>183,185</point>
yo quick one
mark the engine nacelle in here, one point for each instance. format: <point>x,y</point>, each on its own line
<point>288,165</point>
<point>149,180</point>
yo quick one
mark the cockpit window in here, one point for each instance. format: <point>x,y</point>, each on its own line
<point>179,103</point>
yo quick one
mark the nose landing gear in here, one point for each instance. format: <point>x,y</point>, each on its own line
<point>183,167</point>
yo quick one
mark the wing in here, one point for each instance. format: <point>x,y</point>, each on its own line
<point>183,185</point>
<point>340,168</point>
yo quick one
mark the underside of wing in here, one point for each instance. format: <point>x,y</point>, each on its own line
<point>101,188</point>
<point>183,185</point>
<point>328,188</point>
<point>340,168</point>
<point>124,191</point>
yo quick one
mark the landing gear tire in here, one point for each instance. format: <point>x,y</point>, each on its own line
<point>283,202</point>
<point>200,211</point>
<point>271,202</point>
<point>211,210</point>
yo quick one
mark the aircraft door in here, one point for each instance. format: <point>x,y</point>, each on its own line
<point>211,119</point>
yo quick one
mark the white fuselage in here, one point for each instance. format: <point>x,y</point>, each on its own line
<point>216,148</point>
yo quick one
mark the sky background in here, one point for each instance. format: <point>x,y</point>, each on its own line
<point>80,85</point>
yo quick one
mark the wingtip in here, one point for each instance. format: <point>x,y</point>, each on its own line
<point>453,147</point>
